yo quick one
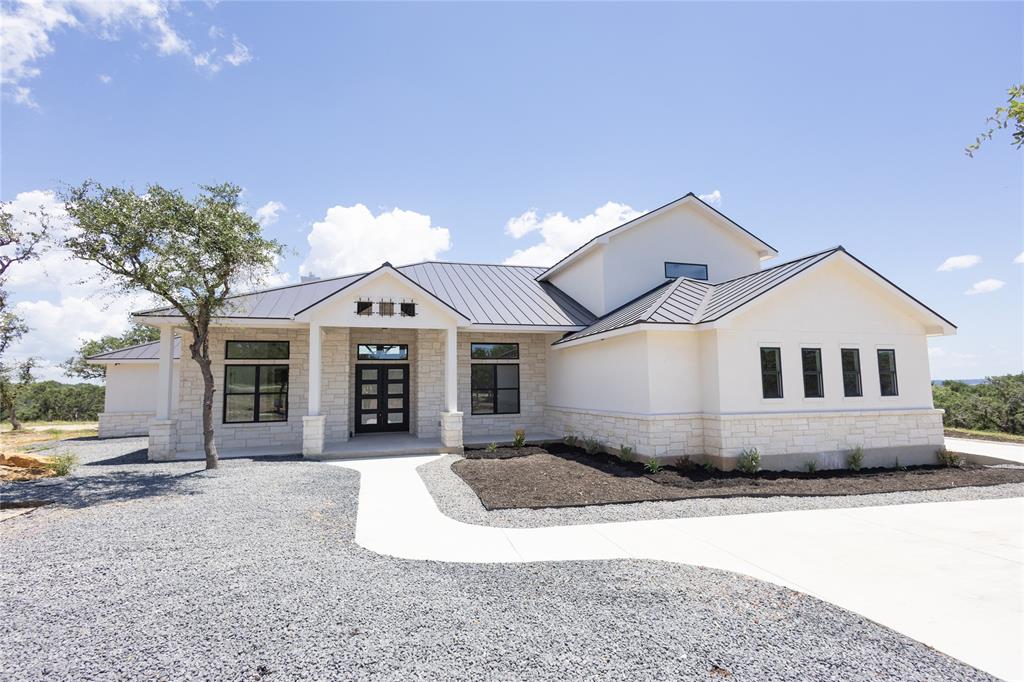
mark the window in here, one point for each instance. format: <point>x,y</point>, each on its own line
<point>494,389</point>
<point>256,350</point>
<point>386,308</point>
<point>691,270</point>
<point>382,351</point>
<point>851,373</point>
<point>494,351</point>
<point>811,360</point>
<point>887,372</point>
<point>408,310</point>
<point>771,372</point>
<point>255,393</point>
<point>364,307</point>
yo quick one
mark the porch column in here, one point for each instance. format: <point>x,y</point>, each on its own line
<point>162,441</point>
<point>451,418</point>
<point>314,424</point>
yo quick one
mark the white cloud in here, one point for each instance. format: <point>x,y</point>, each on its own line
<point>1019,258</point>
<point>985,286</point>
<point>27,28</point>
<point>715,198</point>
<point>105,78</point>
<point>959,263</point>
<point>267,214</point>
<point>560,234</point>
<point>351,239</point>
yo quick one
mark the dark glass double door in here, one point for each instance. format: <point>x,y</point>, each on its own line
<point>382,398</point>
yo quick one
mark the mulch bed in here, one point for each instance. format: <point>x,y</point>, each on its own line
<point>562,476</point>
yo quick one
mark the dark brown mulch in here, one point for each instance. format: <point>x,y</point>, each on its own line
<point>567,477</point>
<point>504,452</point>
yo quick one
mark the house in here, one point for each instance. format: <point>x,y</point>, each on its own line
<point>665,334</point>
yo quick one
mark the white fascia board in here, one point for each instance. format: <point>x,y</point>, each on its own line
<point>179,321</point>
<point>521,329</point>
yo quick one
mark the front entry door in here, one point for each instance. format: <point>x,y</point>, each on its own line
<point>382,398</point>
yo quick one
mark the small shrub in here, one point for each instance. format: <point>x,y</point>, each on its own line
<point>493,447</point>
<point>855,460</point>
<point>62,464</point>
<point>898,466</point>
<point>652,466</point>
<point>570,440</point>
<point>591,446</point>
<point>625,453</point>
<point>708,466</point>
<point>684,463</point>
<point>519,439</point>
<point>811,466</point>
<point>749,461</point>
<point>949,459</point>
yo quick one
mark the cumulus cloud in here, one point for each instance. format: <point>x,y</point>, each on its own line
<point>715,198</point>
<point>268,213</point>
<point>560,234</point>
<point>1019,258</point>
<point>27,28</point>
<point>105,78</point>
<point>985,286</point>
<point>959,263</point>
<point>352,239</point>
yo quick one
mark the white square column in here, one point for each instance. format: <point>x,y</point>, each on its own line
<point>451,418</point>
<point>314,424</point>
<point>162,432</point>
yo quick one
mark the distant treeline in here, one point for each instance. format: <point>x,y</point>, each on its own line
<point>996,405</point>
<point>54,401</point>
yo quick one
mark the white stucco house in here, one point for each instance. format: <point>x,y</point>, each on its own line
<point>666,334</point>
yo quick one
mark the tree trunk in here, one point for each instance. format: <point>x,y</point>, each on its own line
<point>15,422</point>
<point>200,348</point>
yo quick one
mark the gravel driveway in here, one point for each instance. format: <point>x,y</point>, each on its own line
<point>163,571</point>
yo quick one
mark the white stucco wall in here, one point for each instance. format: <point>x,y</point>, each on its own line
<point>609,375</point>
<point>584,281</point>
<point>132,387</point>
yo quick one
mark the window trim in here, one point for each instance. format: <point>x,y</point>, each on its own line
<point>494,378</point>
<point>820,372</point>
<point>494,343</point>
<point>760,358</point>
<point>895,373</point>
<point>697,265</point>
<point>287,345</point>
<point>859,372</point>
<point>404,358</point>
<point>256,394</point>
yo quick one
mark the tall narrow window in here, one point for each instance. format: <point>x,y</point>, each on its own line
<point>851,373</point>
<point>811,359</point>
<point>771,372</point>
<point>887,372</point>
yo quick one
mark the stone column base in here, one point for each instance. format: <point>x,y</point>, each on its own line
<point>313,431</point>
<point>451,429</point>
<point>162,440</point>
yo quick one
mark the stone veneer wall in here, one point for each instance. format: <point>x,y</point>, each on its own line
<point>336,355</point>
<point>533,385</point>
<point>667,436</point>
<point>189,415</point>
<point>122,424</point>
<point>429,394</point>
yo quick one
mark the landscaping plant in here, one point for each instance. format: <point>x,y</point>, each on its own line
<point>62,464</point>
<point>570,440</point>
<point>492,447</point>
<point>625,453</point>
<point>684,463</point>
<point>519,439</point>
<point>651,466</point>
<point>749,461</point>
<point>811,466</point>
<point>855,460</point>
<point>949,459</point>
<point>591,446</point>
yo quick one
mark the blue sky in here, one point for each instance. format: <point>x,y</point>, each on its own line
<point>816,124</point>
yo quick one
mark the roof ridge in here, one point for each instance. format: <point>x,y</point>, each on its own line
<point>780,265</point>
<point>699,312</point>
<point>653,308</point>
<point>456,262</point>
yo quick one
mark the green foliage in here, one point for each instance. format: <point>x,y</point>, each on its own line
<point>591,446</point>
<point>898,466</point>
<point>54,401</point>
<point>1012,115</point>
<point>709,466</point>
<point>855,460</point>
<point>14,380</point>
<point>949,459</point>
<point>625,453</point>
<point>811,466</point>
<point>135,335</point>
<point>652,466</point>
<point>492,447</point>
<point>62,464</point>
<point>997,405</point>
<point>570,440</point>
<point>519,439</point>
<point>684,463</point>
<point>749,461</point>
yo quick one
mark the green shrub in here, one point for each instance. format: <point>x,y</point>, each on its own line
<point>493,447</point>
<point>652,466</point>
<point>625,453</point>
<point>749,461</point>
<point>591,446</point>
<point>898,466</point>
<point>709,466</point>
<point>855,460</point>
<point>519,439</point>
<point>949,459</point>
<point>62,464</point>
<point>684,463</point>
<point>570,440</point>
<point>811,466</point>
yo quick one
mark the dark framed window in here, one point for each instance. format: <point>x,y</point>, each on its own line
<point>811,360</point>
<point>382,351</point>
<point>887,372</point>
<point>691,270</point>
<point>494,351</point>
<point>771,373</point>
<point>364,307</point>
<point>386,308</point>
<point>408,310</point>
<point>851,373</point>
<point>494,389</point>
<point>255,393</point>
<point>257,350</point>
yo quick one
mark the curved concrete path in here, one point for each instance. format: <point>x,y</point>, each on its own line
<point>987,451</point>
<point>948,574</point>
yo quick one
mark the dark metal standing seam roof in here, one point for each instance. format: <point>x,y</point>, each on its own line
<point>485,294</point>
<point>144,351</point>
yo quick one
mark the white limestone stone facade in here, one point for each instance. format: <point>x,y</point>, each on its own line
<point>663,435</point>
<point>335,385</point>
<point>123,424</point>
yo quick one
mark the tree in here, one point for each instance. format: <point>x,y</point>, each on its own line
<point>1004,117</point>
<point>14,379</point>
<point>77,366</point>
<point>190,253</point>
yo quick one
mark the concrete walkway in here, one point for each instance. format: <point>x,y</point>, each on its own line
<point>987,451</point>
<point>950,575</point>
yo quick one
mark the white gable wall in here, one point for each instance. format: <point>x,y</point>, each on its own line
<point>340,309</point>
<point>584,281</point>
